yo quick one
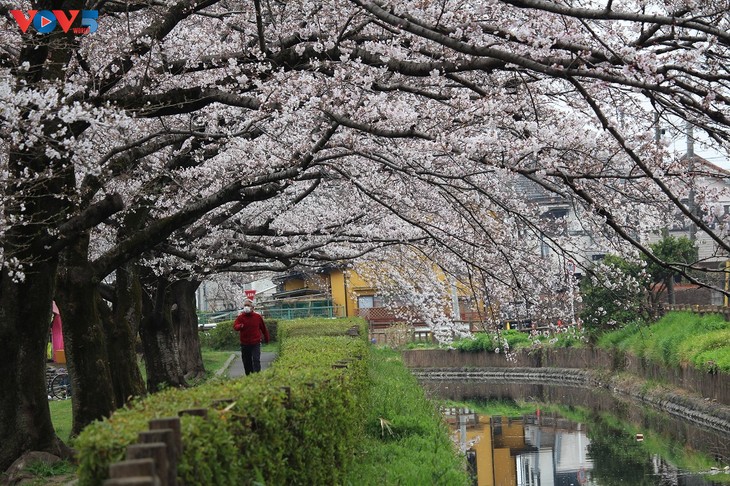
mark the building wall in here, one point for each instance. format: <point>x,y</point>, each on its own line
<point>346,286</point>
<point>339,292</point>
<point>294,284</point>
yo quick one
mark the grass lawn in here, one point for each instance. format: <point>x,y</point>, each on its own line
<point>61,417</point>
<point>405,440</point>
<point>214,360</point>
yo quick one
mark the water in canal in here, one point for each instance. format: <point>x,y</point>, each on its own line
<point>592,438</point>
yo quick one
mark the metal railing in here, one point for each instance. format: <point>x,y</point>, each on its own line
<point>283,313</point>
<point>216,317</point>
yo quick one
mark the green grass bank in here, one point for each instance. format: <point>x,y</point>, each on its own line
<point>677,339</point>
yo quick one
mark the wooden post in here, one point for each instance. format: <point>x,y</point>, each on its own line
<point>156,451</point>
<point>199,412</point>
<point>133,469</point>
<point>172,423</point>
<point>167,437</point>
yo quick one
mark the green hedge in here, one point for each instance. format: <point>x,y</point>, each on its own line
<point>322,327</point>
<point>298,422</point>
<point>222,336</point>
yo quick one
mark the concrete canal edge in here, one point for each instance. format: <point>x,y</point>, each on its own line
<point>669,398</point>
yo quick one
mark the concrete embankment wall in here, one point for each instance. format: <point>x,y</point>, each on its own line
<point>711,386</point>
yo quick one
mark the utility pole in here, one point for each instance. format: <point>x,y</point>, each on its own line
<point>690,170</point>
<point>455,310</point>
<point>671,297</point>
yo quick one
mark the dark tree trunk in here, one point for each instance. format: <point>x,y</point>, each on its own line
<point>30,213</point>
<point>185,320</point>
<point>25,316</point>
<point>161,354</point>
<point>84,337</point>
<point>127,380</point>
<point>671,296</point>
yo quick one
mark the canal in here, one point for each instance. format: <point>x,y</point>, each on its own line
<point>571,436</point>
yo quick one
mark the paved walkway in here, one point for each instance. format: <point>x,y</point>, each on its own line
<point>235,368</point>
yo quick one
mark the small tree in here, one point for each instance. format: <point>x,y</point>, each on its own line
<point>675,252</point>
<point>614,295</point>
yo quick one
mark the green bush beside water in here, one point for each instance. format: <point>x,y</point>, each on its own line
<point>677,338</point>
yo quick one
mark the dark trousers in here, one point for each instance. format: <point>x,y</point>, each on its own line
<point>251,356</point>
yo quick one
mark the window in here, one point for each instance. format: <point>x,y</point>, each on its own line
<point>556,221</point>
<point>365,301</point>
<point>544,248</point>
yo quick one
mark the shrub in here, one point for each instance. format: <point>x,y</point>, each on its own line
<point>491,341</point>
<point>570,337</point>
<point>305,413</point>
<point>273,326</point>
<point>480,342</point>
<point>223,337</point>
<point>516,339</point>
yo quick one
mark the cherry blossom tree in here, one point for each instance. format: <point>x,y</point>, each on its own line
<point>226,133</point>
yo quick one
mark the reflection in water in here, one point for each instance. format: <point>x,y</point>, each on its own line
<point>534,450</point>
<point>547,450</point>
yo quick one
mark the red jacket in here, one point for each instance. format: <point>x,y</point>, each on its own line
<point>251,328</point>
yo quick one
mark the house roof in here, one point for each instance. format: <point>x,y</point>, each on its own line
<point>705,167</point>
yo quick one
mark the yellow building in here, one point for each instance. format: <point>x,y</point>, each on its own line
<point>343,292</point>
<point>331,292</point>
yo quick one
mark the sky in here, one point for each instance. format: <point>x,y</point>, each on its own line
<point>678,143</point>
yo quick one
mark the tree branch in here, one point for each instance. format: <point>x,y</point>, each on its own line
<point>180,100</point>
<point>69,231</point>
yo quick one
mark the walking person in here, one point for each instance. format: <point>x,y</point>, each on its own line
<point>251,329</point>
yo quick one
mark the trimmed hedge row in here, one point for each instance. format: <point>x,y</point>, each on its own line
<point>297,422</point>
<point>313,326</point>
<point>222,336</point>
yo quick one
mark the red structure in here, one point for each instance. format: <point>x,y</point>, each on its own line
<point>58,354</point>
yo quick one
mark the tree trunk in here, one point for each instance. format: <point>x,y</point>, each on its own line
<point>671,296</point>
<point>77,297</point>
<point>127,380</point>
<point>25,316</point>
<point>31,211</point>
<point>161,354</point>
<point>185,320</point>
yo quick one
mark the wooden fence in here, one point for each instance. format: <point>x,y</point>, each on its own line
<point>699,309</point>
<point>153,460</point>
